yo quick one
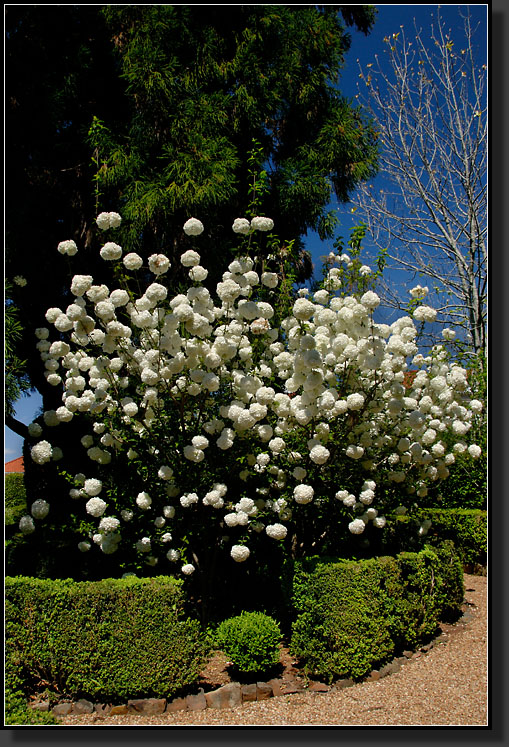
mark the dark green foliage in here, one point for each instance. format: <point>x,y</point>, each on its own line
<point>108,640</point>
<point>17,381</point>
<point>153,110</point>
<point>18,714</point>
<point>466,486</point>
<point>466,528</point>
<point>251,640</point>
<point>451,588</point>
<point>341,628</point>
<point>231,75</point>
<point>353,616</point>
<point>15,498</point>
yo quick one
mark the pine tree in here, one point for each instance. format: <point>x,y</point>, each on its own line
<point>160,112</point>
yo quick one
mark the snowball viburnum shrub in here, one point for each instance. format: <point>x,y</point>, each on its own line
<point>215,421</point>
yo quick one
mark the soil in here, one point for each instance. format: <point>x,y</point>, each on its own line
<point>219,671</point>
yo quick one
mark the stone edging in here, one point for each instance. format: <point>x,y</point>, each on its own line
<point>232,694</point>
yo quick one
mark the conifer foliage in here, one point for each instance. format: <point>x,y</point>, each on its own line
<point>160,111</point>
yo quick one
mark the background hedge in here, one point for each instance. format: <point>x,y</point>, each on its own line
<point>15,498</point>
<point>352,616</point>
<point>467,528</point>
<point>109,640</point>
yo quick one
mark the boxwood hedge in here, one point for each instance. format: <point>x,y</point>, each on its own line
<point>351,616</point>
<point>108,640</point>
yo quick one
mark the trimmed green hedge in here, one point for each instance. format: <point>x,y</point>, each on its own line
<point>467,528</point>
<point>15,498</point>
<point>352,616</point>
<point>107,640</point>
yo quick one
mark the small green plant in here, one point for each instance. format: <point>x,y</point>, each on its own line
<point>250,640</point>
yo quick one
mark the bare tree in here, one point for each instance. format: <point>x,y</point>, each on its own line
<point>430,107</point>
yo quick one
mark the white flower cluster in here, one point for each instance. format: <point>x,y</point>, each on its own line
<point>108,220</point>
<point>68,247</point>
<point>325,369</point>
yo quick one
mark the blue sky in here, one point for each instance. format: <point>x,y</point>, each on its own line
<point>364,48</point>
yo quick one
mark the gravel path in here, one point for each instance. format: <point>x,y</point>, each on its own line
<point>447,686</point>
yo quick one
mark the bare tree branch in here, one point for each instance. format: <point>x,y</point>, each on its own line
<point>430,105</point>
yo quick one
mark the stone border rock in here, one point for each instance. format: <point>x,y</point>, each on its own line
<point>233,694</point>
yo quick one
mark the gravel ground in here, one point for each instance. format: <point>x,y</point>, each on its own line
<point>447,686</point>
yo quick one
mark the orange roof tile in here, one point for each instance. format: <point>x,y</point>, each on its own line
<point>15,465</point>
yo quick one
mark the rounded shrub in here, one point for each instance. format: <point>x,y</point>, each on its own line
<point>251,640</point>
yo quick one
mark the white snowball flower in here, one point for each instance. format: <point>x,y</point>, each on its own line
<point>34,430</point>
<point>130,408</point>
<point>319,454</point>
<point>84,546</point>
<point>165,472</point>
<point>299,473</point>
<point>240,553</point>
<point>158,264</point>
<point>68,247</point>
<point>108,220</point>
<point>259,326</point>
<point>276,445</point>
<point>41,452</point>
<point>356,526</point>
<point>303,494</point>
<point>132,261</point>
<point>370,300</point>
<point>39,509</point>
<point>111,251</point>
<point>189,567</point>
<point>231,519</point>
<point>109,524</point>
<point>143,500</point>
<point>200,442</point>
<point>26,525</point>
<point>260,223</point>
<point>241,225</point>
<point>193,227</point>
<point>93,486</point>
<point>95,507</point>
<point>193,454</point>
<point>188,499</point>
<point>198,274</point>
<point>354,452</point>
<point>42,333</point>
<point>190,258</point>
<point>366,496</point>
<point>419,291</point>
<point>303,309</point>
<point>51,316</point>
<point>270,279</point>
<point>355,401</point>
<point>425,314</point>
<point>476,406</point>
<point>143,545</point>
<point>448,334</point>
<point>276,531</point>
<point>474,451</point>
<point>80,284</point>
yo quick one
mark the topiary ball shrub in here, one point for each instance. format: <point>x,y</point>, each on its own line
<point>251,640</point>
